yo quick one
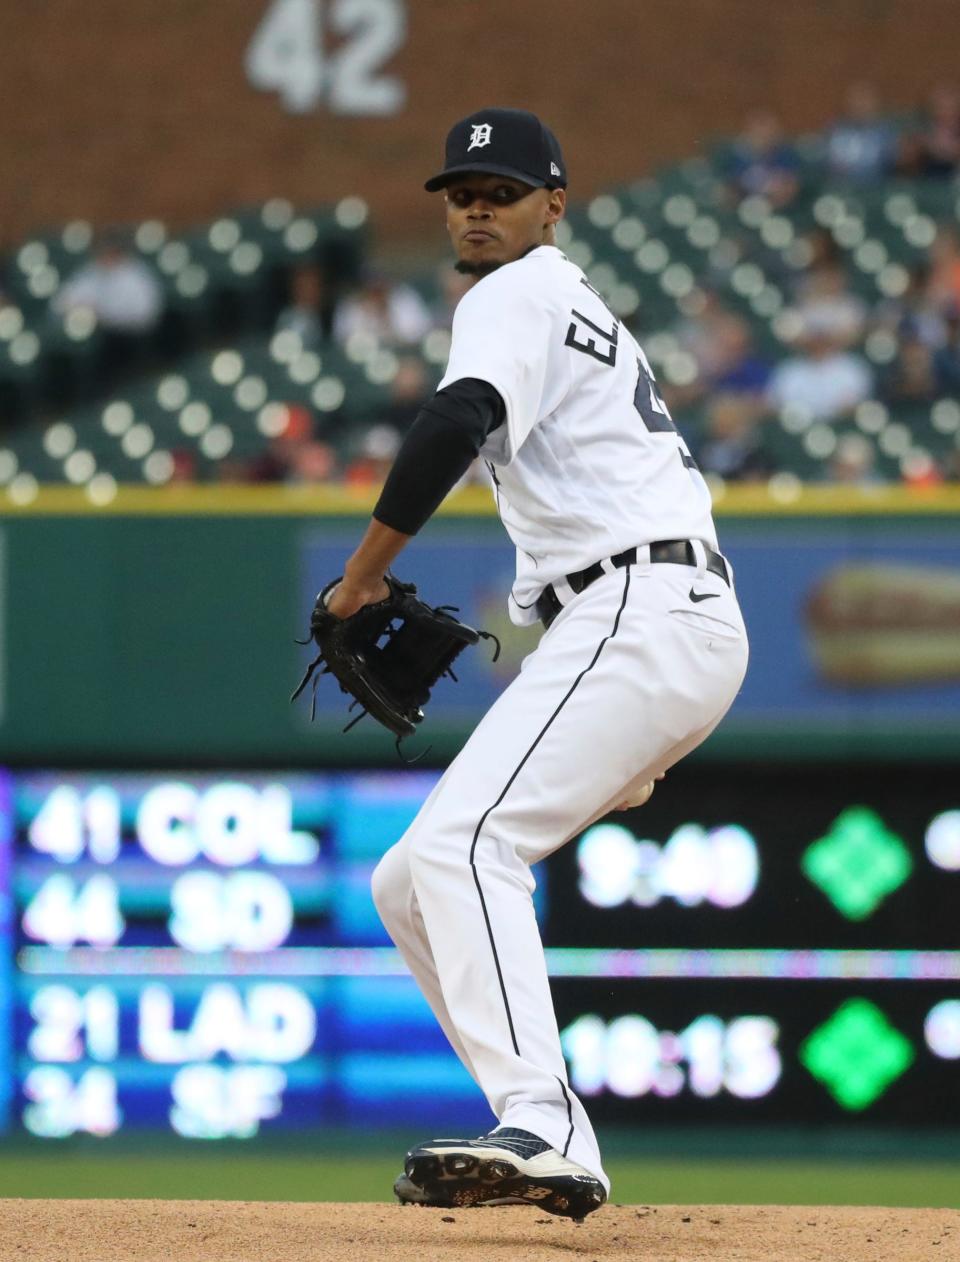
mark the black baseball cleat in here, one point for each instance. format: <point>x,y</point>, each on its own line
<point>506,1167</point>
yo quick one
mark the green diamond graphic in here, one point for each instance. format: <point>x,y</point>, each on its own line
<point>858,863</point>
<point>856,1054</point>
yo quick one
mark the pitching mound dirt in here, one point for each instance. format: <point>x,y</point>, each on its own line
<point>243,1231</point>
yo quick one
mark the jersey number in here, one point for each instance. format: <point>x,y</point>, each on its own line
<point>654,412</point>
<point>287,55</point>
<point>646,399</point>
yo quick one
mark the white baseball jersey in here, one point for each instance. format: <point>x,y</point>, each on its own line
<point>588,462</point>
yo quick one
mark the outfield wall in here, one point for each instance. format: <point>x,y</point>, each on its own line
<point>160,629</point>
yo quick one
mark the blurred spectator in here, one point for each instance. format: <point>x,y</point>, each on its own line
<point>184,465</point>
<point>943,286</point>
<point>390,312</point>
<point>293,454</point>
<point>921,471</point>
<point>914,314</point>
<point>910,378</point>
<point>731,447</point>
<point>273,463</point>
<point>826,305</point>
<point>860,144</point>
<point>452,286</point>
<point>740,368</point>
<point>762,162</point>
<point>701,334</point>
<point>120,289</point>
<point>934,150</point>
<point>408,390</point>
<point>721,344</point>
<point>312,461</point>
<point>305,314</point>
<point>126,297</point>
<point>378,450</point>
<point>854,461</point>
<point>293,460</point>
<point>946,360</point>
<point>822,249</point>
<point>822,379</point>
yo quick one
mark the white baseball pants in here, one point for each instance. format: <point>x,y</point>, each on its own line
<point>630,677</point>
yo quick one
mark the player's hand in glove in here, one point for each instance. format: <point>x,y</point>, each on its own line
<point>387,650</point>
<point>347,598</point>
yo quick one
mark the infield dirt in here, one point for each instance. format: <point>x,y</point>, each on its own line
<point>249,1231</point>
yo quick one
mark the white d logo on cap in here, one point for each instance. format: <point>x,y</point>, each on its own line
<point>480,136</point>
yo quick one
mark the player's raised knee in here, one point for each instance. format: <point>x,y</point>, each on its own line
<point>443,845</point>
<point>390,886</point>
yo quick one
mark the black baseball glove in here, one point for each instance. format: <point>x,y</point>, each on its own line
<point>388,655</point>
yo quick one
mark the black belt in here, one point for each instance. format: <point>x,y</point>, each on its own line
<point>669,551</point>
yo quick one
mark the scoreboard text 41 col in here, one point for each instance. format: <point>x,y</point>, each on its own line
<point>202,953</point>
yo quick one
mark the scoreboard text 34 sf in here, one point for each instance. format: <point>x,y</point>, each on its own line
<point>201,953</point>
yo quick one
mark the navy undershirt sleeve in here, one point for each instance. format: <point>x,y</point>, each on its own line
<point>438,449</point>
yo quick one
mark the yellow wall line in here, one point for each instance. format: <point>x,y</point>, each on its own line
<point>326,501</point>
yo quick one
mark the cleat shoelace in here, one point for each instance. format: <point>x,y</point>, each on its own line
<point>522,1143</point>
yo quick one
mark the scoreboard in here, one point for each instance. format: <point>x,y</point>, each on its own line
<point>201,953</point>
<point>771,945</point>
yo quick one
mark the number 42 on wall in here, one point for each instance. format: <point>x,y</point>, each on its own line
<point>289,54</point>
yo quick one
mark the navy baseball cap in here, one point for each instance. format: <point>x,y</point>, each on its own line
<point>503,142</point>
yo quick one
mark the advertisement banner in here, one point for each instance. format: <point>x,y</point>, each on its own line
<point>849,628</point>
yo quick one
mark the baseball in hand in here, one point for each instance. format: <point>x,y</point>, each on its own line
<point>639,797</point>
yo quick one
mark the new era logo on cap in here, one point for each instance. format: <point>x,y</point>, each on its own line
<point>503,142</point>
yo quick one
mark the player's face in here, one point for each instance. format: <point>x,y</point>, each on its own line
<point>493,219</point>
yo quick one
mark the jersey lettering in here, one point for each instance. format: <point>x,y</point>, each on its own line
<point>606,355</point>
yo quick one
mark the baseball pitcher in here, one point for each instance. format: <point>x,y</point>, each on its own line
<point>644,649</point>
